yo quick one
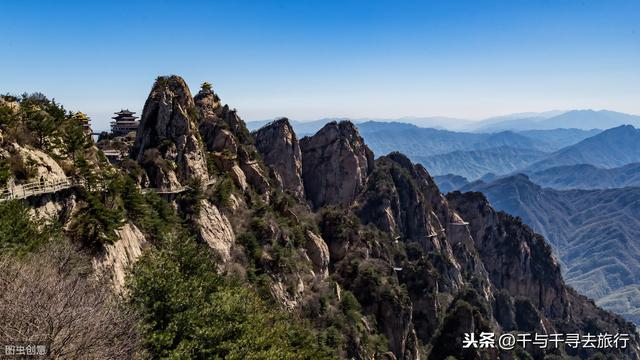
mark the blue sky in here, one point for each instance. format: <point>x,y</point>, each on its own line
<point>314,59</point>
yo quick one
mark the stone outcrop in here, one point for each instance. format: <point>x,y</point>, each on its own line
<point>215,230</point>
<point>335,164</point>
<point>280,150</point>
<point>318,252</point>
<point>167,142</point>
<point>401,198</point>
<point>517,259</point>
<point>117,258</point>
<point>522,267</point>
<point>43,165</point>
<point>229,142</point>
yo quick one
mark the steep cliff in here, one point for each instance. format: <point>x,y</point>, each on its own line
<point>382,265</point>
<point>335,164</point>
<point>280,150</point>
<point>167,142</point>
<point>521,264</point>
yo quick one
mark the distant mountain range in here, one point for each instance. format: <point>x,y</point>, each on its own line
<point>596,234</point>
<point>607,160</point>
<point>476,163</point>
<point>474,154</point>
<point>579,177</point>
<point>587,177</point>
<point>579,119</point>
<point>611,148</point>
<point>424,142</point>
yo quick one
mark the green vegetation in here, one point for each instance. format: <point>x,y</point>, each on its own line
<point>223,191</point>
<point>190,311</point>
<point>19,234</point>
<point>96,222</point>
<point>5,172</point>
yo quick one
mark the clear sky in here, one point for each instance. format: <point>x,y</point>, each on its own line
<point>314,59</point>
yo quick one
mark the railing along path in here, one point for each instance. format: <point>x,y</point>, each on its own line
<point>23,191</point>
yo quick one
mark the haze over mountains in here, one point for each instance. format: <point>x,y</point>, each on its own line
<point>581,189</point>
<point>549,120</point>
<point>611,148</point>
<point>508,144</point>
<point>580,177</point>
<point>596,234</point>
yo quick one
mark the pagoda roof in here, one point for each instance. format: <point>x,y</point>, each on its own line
<point>125,112</point>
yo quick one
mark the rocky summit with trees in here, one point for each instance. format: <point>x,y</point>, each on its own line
<point>211,242</point>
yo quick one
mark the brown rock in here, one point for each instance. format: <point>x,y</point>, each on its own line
<point>279,147</point>
<point>318,252</point>
<point>335,164</point>
<point>168,124</point>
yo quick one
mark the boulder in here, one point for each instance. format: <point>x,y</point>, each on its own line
<point>318,252</point>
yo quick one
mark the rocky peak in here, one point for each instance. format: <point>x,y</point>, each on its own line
<point>403,199</point>
<point>167,142</point>
<point>521,264</point>
<point>279,147</point>
<point>335,164</point>
<point>517,259</point>
<point>206,102</point>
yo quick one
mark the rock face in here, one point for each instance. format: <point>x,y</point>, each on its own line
<point>335,164</point>
<point>403,199</point>
<point>167,143</point>
<point>44,166</point>
<point>318,252</point>
<point>229,143</point>
<point>517,259</point>
<point>279,147</point>
<point>522,267</point>
<point>214,229</point>
<point>117,258</point>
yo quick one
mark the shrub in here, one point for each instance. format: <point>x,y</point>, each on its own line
<point>5,172</point>
<point>21,170</point>
<point>190,311</point>
<point>50,297</point>
<point>19,234</point>
<point>95,223</point>
<point>223,191</point>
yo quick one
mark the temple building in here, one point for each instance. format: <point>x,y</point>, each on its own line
<point>83,120</point>
<point>124,123</point>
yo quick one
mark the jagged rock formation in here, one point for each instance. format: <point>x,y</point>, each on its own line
<point>168,137</point>
<point>594,233</point>
<point>335,164</point>
<point>116,259</point>
<point>383,255</point>
<point>280,150</point>
<point>229,142</point>
<point>318,252</point>
<point>521,264</point>
<point>214,228</point>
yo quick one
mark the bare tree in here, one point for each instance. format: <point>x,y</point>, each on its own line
<point>52,297</point>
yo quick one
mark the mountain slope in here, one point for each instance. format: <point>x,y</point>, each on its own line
<point>262,246</point>
<point>584,176</point>
<point>611,148</point>
<point>476,163</point>
<point>581,176</point>
<point>595,232</point>
<point>579,119</point>
<point>556,139</point>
